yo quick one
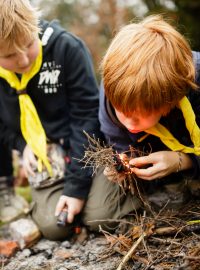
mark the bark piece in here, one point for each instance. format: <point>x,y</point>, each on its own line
<point>8,248</point>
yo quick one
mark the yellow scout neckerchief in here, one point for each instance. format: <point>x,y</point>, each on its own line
<point>31,126</point>
<point>168,139</point>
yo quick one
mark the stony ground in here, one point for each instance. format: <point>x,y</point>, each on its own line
<point>179,250</point>
<point>170,243</point>
<point>88,251</point>
<point>85,252</point>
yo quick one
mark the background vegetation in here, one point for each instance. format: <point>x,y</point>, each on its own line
<point>96,21</point>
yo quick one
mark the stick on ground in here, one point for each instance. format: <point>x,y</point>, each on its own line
<point>130,252</point>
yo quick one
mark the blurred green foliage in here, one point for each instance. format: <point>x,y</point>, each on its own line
<point>24,192</point>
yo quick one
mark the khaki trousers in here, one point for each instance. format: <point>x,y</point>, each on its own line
<point>106,201</point>
<point>44,205</point>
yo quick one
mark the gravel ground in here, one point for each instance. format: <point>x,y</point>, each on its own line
<point>179,250</point>
<point>89,251</point>
<point>86,251</point>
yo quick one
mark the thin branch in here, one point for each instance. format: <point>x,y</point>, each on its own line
<point>130,252</point>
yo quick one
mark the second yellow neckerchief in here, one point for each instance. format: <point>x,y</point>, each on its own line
<point>31,126</point>
<point>170,141</point>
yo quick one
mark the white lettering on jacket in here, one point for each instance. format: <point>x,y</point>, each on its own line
<point>49,77</point>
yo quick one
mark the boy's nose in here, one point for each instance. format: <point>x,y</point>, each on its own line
<point>23,60</point>
<point>133,122</point>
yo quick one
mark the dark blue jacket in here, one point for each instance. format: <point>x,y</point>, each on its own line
<point>65,95</point>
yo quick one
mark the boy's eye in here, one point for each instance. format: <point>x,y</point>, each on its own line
<point>30,44</point>
<point>14,54</point>
<point>10,55</point>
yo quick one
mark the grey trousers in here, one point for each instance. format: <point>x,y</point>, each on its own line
<point>106,201</point>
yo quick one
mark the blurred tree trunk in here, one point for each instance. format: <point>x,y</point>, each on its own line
<point>186,15</point>
<point>152,4</point>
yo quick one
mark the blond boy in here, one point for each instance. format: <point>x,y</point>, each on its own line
<point>48,94</point>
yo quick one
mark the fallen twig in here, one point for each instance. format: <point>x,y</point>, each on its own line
<point>130,252</point>
<point>164,241</point>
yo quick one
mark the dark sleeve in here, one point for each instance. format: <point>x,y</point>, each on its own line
<point>8,137</point>
<point>6,168</point>
<point>195,101</point>
<point>83,96</point>
<point>196,58</point>
<point>193,173</point>
<point>8,141</point>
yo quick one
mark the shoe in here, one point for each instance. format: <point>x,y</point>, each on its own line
<point>170,196</point>
<point>194,187</point>
<point>12,206</point>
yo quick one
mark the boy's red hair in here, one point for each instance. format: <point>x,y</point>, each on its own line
<point>148,66</point>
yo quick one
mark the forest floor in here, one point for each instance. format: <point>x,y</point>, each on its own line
<point>163,241</point>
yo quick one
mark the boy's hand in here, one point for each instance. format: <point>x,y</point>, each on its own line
<point>160,164</point>
<point>73,205</point>
<point>113,175</point>
<point>29,161</point>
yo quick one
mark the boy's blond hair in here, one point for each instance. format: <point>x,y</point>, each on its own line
<point>148,67</point>
<point>18,23</point>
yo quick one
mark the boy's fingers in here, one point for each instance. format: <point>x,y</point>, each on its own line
<point>60,205</point>
<point>141,172</point>
<point>34,161</point>
<point>28,169</point>
<point>71,213</point>
<point>70,217</point>
<point>146,173</point>
<point>138,162</point>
